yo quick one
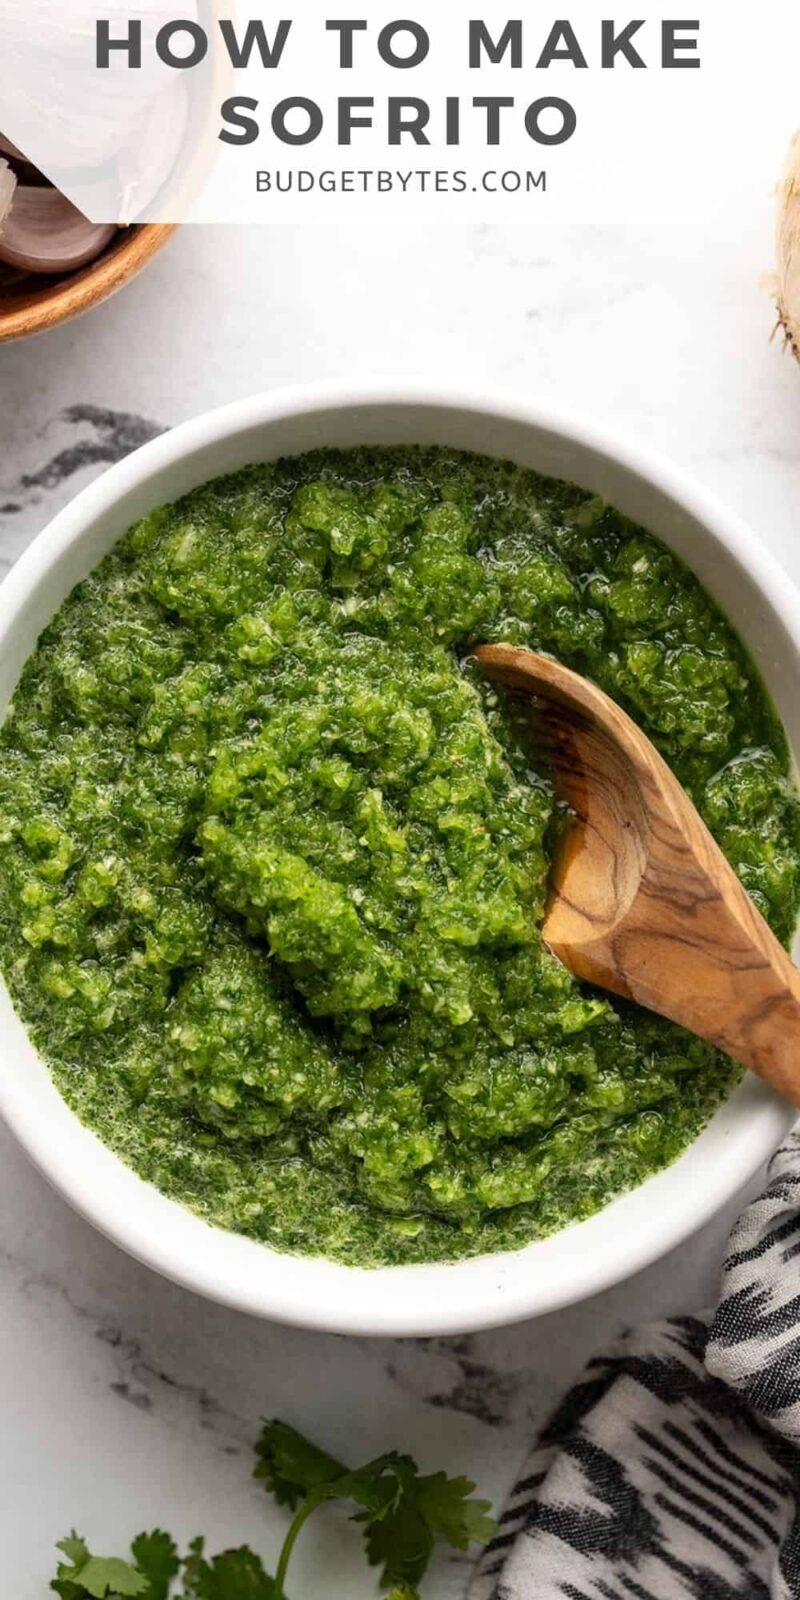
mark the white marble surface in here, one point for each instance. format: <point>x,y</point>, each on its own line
<point>123,1400</point>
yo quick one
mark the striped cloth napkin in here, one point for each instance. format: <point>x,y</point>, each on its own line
<point>672,1470</point>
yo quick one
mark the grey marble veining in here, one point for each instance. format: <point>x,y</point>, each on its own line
<point>62,454</point>
<point>125,1401</point>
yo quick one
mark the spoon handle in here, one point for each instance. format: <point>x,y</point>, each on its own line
<point>689,943</point>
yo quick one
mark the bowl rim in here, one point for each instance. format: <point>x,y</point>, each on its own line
<point>437,1298</point>
<point>49,302</point>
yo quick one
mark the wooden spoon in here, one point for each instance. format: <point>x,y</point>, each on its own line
<point>643,902</point>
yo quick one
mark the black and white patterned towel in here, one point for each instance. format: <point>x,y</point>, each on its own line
<point>672,1470</point>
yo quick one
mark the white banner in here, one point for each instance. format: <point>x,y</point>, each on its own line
<point>190,110</point>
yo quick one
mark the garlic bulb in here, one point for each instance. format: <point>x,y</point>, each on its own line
<point>43,232</point>
<point>787,286</point>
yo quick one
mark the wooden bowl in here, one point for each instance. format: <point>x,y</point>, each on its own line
<point>33,303</point>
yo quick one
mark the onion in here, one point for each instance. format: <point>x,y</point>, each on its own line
<point>787,284</point>
<point>145,168</point>
<point>43,232</point>
<point>55,104</point>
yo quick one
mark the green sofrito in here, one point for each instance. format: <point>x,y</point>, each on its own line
<point>273,858</point>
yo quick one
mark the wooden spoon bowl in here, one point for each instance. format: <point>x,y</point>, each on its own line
<point>643,902</point>
<point>31,304</point>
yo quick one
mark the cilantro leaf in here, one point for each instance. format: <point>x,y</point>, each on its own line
<point>75,1549</point>
<point>194,1565</point>
<point>396,1535</point>
<point>156,1557</point>
<point>401,1543</point>
<point>290,1466</point>
<point>96,1577</point>
<point>234,1575</point>
<point>449,1511</point>
<point>106,1576</point>
<point>379,1487</point>
<point>406,1513</point>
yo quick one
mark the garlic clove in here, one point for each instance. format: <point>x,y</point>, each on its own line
<point>8,185</point>
<point>43,232</point>
<point>788,245</point>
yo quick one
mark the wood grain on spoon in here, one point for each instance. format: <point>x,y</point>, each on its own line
<point>643,902</point>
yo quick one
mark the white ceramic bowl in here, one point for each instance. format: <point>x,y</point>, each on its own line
<point>633,1230</point>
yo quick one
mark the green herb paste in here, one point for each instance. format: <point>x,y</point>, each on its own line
<point>273,859</point>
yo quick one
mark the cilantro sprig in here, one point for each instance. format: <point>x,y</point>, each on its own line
<point>401,1512</point>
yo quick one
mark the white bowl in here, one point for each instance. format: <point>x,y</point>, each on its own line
<point>636,1228</point>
